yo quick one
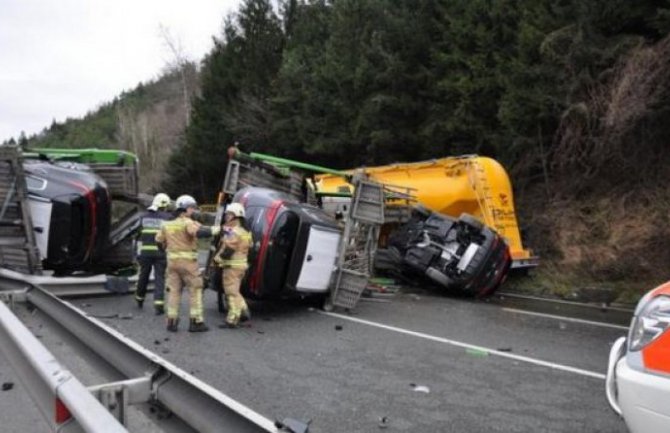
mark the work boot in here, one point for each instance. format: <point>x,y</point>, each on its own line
<point>197,326</point>
<point>228,325</point>
<point>160,310</point>
<point>140,302</point>
<point>172,325</point>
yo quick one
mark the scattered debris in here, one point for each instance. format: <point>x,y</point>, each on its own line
<point>105,316</point>
<point>383,422</point>
<point>6,386</point>
<point>381,288</point>
<point>166,350</point>
<point>293,425</point>
<point>157,342</point>
<point>420,388</point>
<point>479,353</point>
<point>504,349</point>
<point>127,316</point>
<point>166,339</point>
<point>260,332</point>
<point>338,327</point>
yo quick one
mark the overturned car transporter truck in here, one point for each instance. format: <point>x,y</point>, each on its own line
<point>383,227</point>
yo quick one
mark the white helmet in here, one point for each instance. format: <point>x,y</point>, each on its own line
<point>236,209</point>
<point>186,201</point>
<point>161,200</point>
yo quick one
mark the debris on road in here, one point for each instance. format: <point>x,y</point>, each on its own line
<point>504,349</point>
<point>338,327</point>
<point>293,425</point>
<point>420,388</point>
<point>104,316</point>
<point>479,353</point>
<point>383,422</point>
<point>6,386</point>
<point>381,288</point>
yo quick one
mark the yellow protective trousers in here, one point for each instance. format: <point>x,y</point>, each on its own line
<point>232,280</point>
<point>180,273</point>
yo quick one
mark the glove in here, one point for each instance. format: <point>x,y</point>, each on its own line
<point>216,230</point>
<point>218,260</point>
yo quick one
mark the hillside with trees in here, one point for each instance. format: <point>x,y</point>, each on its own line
<point>571,96</point>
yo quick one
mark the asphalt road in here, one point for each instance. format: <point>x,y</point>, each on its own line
<point>421,362</point>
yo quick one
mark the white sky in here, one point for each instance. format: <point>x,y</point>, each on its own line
<point>63,58</point>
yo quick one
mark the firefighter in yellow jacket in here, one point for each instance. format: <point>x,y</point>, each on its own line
<point>232,257</point>
<point>179,239</point>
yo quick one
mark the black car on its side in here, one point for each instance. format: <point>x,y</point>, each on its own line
<point>71,212</point>
<point>295,245</point>
<point>461,254</point>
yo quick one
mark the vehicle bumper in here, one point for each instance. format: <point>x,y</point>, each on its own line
<point>641,398</point>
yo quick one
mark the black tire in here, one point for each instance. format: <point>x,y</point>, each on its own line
<point>471,221</point>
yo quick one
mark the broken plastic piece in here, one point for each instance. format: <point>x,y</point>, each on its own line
<point>477,352</point>
<point>420,388</point>
<point>293,425</point>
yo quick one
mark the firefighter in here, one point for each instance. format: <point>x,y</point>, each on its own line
<point>232,257</point>
<point>149,255</point>
<point>179,238</point>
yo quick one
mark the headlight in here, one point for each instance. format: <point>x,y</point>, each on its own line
<point>653,320</point>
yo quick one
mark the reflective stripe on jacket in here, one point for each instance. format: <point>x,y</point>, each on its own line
<point>179,238</point>
<point>238,239</point>
<point>150,224</point>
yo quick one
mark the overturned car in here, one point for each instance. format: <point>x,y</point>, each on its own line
<point>70,207</point>
<point>295,246</point>
<point>462,255</point>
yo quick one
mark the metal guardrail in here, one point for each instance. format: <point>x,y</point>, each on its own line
<point>67,286</point>
<point>65,403</point>
<point>151,377</point>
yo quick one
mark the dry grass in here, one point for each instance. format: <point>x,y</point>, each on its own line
<point>617,243</point>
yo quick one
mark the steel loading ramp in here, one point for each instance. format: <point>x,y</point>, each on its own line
<point>18,248</point>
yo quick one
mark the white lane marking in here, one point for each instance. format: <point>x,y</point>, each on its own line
<point>566,319</point>
<point>470,346</point>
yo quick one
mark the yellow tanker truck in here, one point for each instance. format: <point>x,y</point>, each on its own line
<point>471,184</point>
